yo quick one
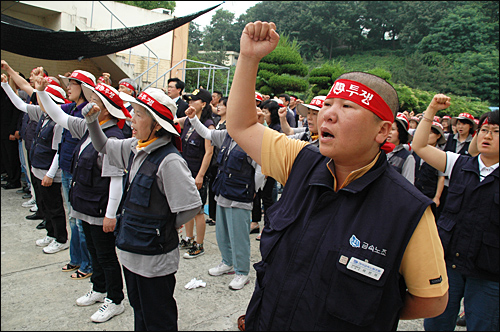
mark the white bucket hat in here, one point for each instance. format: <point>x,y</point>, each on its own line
<point>315,104</point>
<point>81,76</point>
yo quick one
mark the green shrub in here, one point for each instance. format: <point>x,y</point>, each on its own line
<point>322,81</point>
<point>294,69</point>
<point>288,83</point>
<point>282,55</point>
<point>265,74</point>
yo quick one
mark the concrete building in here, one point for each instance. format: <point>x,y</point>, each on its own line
<point>169,48</point>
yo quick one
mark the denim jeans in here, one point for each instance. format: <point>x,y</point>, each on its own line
<point>480,304</point>
<point>23,163</point>
<point>107,275</point>
<point>232,231</point>
<point>78,252</point>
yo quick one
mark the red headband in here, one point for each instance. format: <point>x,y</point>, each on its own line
<point>163,111</point>
<point>363,96</point>
<point>53,82</point>
<point>127,85</point>
<point>56,93</point>
<point>82,78</point>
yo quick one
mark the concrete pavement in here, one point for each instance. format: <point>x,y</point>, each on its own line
<point>37,295</point>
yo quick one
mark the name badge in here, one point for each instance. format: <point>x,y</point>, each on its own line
<point>359,266</point>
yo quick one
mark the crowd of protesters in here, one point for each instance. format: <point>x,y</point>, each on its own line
<point>371,215</point>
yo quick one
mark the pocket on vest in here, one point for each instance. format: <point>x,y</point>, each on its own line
<point>488,257</point>
<point>87,202</point>
<point>140,191</point>
<point>141,236</point>
<point>85,175</point>
<point>454,199</point>
<point>445,228</point>
<point>235,189</point>
<point>353,297</point>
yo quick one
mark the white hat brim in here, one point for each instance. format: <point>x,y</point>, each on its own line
<point>303,109</point>
<point>113,110</point>
<point>163,123</point>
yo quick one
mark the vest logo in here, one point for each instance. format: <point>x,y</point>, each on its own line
<point>354,242</point>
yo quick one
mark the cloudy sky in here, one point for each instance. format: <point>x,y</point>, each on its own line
<point>183,8</point>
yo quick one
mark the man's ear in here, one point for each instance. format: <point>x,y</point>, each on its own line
<point>384,129</point>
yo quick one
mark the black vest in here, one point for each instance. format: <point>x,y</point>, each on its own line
<point>426,177</point>
<point>468,226</point>
<point>89,191</point>
<point>146,224</point>
<point>451,145</point>
<point>68,143</point>
<point>313,233</point>
<point>236,176</point>
<point>41,153</point>
<point>193,148</point>
<point>398,159</point>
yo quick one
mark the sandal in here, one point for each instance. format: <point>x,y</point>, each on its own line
<point>68,267</point>
<point>241,323</point>
<point>78,275</point>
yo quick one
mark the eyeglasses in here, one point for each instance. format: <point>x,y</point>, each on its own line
<point>485,131</point>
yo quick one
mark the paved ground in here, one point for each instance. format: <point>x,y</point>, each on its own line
<point>37,296</point>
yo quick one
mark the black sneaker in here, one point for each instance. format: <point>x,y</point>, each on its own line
<point>195,251</point>
<point>41,225</point>
<point>186,244</point>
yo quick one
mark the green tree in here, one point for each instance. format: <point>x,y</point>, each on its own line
<point>151,4</point>
<point>195,38</point>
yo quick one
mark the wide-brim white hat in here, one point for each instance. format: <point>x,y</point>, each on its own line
<point>110,97</point>
<point>161,107</point>
<point>81,76</point>
<point>315,104</point>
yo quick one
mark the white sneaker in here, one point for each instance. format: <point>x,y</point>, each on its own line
<point>55,246</point>
<point>90,298</point>
<point>45,241</point>
<point>238,282</point>
<point>107,311</point>
<point>221,269</point>
<point>29,203</point>
<point>34,208</point>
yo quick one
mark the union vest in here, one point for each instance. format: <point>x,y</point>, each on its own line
<point>451,145</point>
<point>315,239</point>
<point>89,191</point>
<point>236,176</point>
<point>193,148</point>
<point>426,177</point>
<point>146,225</point>
<point>398,158</point>
<point>468,225</point>
<point>41,153</point>
<point>68,143</point>
<point>27,132</point>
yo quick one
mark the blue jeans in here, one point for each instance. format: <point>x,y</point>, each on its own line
<point>23,163</point>
<point>232,231</point>
<point>480,304</point>
<point>78,252</point>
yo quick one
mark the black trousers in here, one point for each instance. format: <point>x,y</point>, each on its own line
<point>10,160</point>
<point>155,308</point>
<point>106,276</point>
<point>266,196</point>
<point>212,204</point>
<point>50,202</point>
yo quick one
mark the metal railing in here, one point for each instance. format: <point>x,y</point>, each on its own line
<point>206,66</point>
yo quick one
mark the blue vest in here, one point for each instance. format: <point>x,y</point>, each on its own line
<point>193,147</point>
<point>451,145</point>
<point>398,158</point>
<point>68,143</point>
<point>236,176</point>
<point>468,226</point>
<point>146,224</point>
<point>426,177</point>
<point>313,233</point>
<point>27,132</point>
<point>89,191</point>
<point>41,153</point>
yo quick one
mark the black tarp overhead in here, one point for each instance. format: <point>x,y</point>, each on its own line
<point>76,45</point>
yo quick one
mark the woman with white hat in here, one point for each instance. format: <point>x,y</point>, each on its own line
<point>400,158</point>
<point>95,194</point>
<point>159,196</point>
<point>47,176</point>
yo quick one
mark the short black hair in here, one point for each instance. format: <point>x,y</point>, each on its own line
<point>273,108</point>
<point>218,93</point>
<point>493,118</point>
<point>223,100</point>
<point>284,95</point>
<point>178,83</point>
<point>403,134</point>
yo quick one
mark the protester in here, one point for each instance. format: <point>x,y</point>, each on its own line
<point>95,193</point>
<point>400,158</point>
<point>468,225</point>
<point>258,98</point>
<point>105,78</point>
<point>160,195</point>
<point>47,176</point>
<point>290,116</point>
<point>216,97</point>
<point>237,177</point>
<point>174,91</point>
<point>197,152</point>
<point>338,251</point>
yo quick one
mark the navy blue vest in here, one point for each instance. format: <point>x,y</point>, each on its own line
<point>68,143</point>
<point>146,224</point>
<point>398,159</point>
<point>468,225</point>
<point>451,145</point>
<point>303,281</point>
<point>41,153</point>
<point>193,147</point>
<point>236,176</point>
<point>27,132</point>
<point>426,177</point>
<point>89,191</point>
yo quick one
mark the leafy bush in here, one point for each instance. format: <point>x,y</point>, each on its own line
<point>282,55</point>
<point>320,80</point>
<point>284,83</point>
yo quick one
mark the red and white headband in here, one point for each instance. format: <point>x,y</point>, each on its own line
<point>363,96</point>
